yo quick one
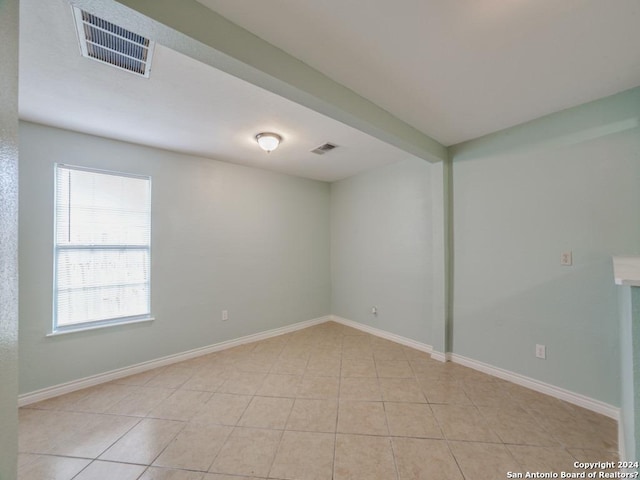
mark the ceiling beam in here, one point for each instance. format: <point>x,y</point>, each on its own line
<point>188,27</point>
<point>574,125</point>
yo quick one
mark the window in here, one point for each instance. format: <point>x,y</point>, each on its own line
<point>102,248</point>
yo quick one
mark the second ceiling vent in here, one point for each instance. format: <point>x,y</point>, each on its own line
<point>108,43</point>
<point>322,149</point>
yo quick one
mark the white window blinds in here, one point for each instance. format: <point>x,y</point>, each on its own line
<point>102,247</point>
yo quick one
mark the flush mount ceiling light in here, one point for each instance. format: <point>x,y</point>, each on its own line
<point>268,141</point>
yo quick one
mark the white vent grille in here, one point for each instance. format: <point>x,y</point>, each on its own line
<point>324,148</point>
<point>108,43</point>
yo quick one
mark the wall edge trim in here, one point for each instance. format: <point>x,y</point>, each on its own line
<point>423,347</point>
<point>541,387</point>
<point>93,380</point>
<point>622,448</point>
<point>522,380</point>
<point>441,357</point>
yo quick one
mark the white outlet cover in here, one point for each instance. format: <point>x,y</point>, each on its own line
<point>541,351</point>
<point>566,259</point>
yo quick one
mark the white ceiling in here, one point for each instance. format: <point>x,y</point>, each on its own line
<point>458,69</point>
<point>453,69</point>
<point>185,105</point>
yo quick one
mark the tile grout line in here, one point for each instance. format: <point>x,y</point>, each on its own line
<point>322,345</point>
<point>184,425</point>
<point>96,458</point>
<point>187,422</point>
<point>273,460</point>
<point>335,435</point>
<point>391,442</point>
<point>235,425</point>
<point>444,436</point>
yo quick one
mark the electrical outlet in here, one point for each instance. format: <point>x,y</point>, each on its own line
<point>541,352</point>
<point>566,259</point>
<point>374,310</point>
<point>225,315</point>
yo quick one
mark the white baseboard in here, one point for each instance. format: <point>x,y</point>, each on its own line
<point>551,390</point>
<point>441,357</point>
<point>546,388</point>
<point>74,385</point>
<point>557,392</point>
<point>423,347</point>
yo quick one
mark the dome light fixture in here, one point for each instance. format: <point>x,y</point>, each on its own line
<point>268,141</point>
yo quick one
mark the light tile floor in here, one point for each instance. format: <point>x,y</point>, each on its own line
<point>326,402</point>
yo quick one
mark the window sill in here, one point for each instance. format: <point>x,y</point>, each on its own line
<point>55,333</point>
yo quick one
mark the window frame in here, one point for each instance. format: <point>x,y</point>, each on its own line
<point>57,249</point>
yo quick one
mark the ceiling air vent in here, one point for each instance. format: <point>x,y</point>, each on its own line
<point>322,149</point>
<point>108,43</point>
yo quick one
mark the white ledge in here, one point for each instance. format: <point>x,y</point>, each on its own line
<point>626,270</point>
<point>86,328</point>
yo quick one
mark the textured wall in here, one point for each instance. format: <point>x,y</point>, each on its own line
<point>567,182</point>
<point>382,248</point>
<point>224,236</point>
<point>8,238</point>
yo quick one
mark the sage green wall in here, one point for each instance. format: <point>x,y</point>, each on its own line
<point>569,181</point>
<point>8,239</point>
<point>224,237</point>
<point>628,370</point>
<point>633,394</point>
<point>382,247</point>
